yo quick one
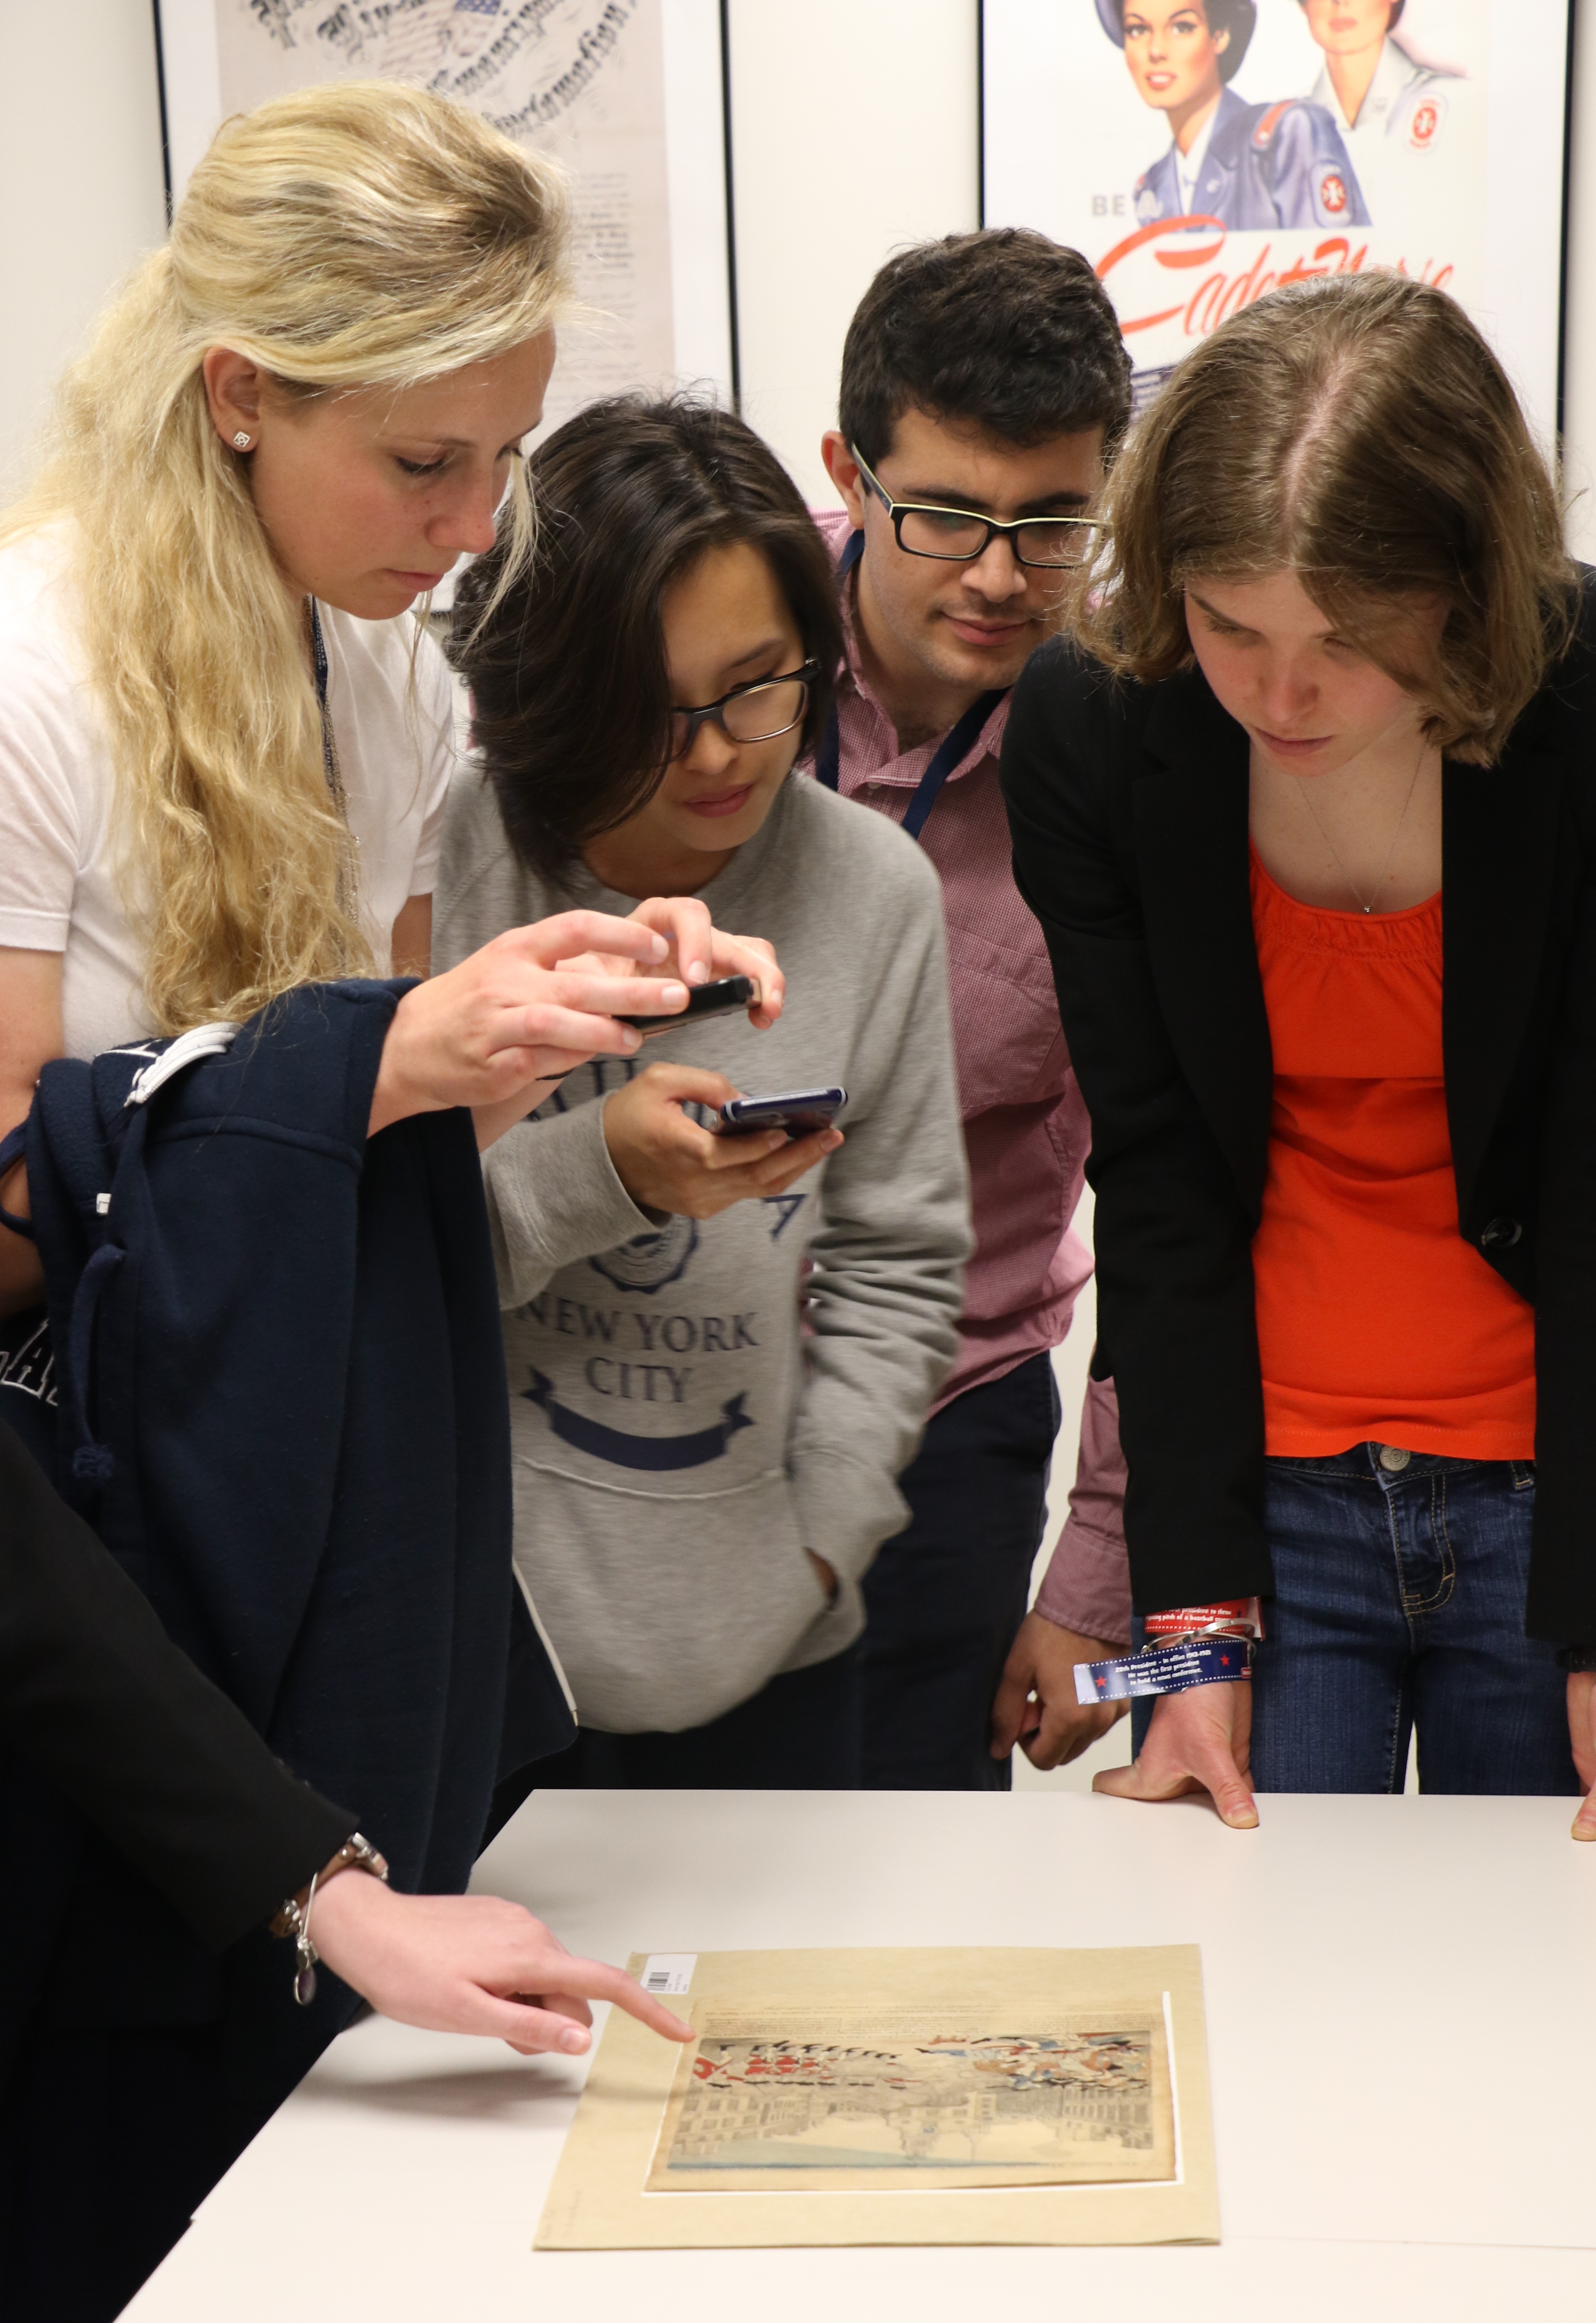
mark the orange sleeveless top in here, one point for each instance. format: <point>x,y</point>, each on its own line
<point>1376,1321</point>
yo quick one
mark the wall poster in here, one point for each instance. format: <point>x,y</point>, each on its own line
<point>626,93</point>
<point>1200,152</point>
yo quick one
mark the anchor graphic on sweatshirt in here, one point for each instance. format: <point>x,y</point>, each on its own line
<point>624,1451</point>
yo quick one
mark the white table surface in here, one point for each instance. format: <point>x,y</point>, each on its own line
<point>1401,2003</point>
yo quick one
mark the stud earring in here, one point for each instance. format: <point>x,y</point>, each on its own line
<point>242,441</point>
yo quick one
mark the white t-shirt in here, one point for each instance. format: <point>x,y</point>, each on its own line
<point>59,886</point>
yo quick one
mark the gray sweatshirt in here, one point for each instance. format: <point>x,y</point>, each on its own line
<point>678,1441</point>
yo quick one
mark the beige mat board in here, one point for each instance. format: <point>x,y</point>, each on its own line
<point>914,2096</point>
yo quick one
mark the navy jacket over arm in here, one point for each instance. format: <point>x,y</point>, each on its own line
<point>285,1415</point>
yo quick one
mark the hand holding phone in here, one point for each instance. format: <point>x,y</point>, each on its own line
<point>723,998</point>
<point>698,950</point>
<point>667,1162</point>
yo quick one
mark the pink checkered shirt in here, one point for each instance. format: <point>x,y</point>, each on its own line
<point>1025,1125</point>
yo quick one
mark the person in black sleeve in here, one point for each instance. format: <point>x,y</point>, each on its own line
<point>122,1724</point>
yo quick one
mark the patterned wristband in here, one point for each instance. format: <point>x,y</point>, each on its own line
<point>1173,1666</point>
<point>1239,1617</point>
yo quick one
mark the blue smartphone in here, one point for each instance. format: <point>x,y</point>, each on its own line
<point>799,1112</point>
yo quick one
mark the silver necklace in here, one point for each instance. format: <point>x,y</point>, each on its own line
<point>1366,908</point>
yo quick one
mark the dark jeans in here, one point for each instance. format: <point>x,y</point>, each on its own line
<point>800,1732</point>
<point>1400,1605</point>
<point>945,1597</point>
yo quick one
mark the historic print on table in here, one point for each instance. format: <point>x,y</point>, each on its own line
<point>1200,152</point>
<point>780,2099</point>
<point>937,2095</point>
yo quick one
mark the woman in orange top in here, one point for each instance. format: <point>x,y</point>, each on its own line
<point>1320,885</point>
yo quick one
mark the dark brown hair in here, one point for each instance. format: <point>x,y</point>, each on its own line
<point>1003,329</point>
<point>570,694</point>
<point>1357,431</point>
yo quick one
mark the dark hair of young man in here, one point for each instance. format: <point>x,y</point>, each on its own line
<point>567,669</point>
<point>1002,329</point>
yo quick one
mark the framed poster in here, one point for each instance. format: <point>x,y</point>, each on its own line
<point>1200,152</point>
<point>626,93</point>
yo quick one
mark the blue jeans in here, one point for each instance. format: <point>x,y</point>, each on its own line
<point>1400,1605</point>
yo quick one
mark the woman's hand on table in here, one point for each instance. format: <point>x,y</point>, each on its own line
<point>522,1012</point>
<point>1035,1705</point>
<point>470,1964</point>
<point>1197,1742</point>
<point>666,1161</point>
<point>1582,1733</point>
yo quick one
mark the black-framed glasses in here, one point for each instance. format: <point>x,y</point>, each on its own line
<point>959,536</point>
<point>756,712</point>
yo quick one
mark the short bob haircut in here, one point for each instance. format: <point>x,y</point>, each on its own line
<point>1355,430</point>
<point>567,670</point>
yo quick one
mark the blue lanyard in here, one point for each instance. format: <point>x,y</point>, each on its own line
<point>954,748</point>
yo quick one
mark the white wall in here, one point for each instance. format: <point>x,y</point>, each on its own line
<point>853,130</point>
<point>81,190</point>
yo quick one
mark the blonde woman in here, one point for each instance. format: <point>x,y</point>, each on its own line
<point>225,746</point>
<point>293,422</point>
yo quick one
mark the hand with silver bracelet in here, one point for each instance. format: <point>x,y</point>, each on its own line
<point>464,1964</point>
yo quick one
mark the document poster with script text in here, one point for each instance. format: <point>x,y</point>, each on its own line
<point>1201,151</point>
<point>624,94</point>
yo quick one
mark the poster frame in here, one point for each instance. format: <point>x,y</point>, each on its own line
<point>1540,372</point>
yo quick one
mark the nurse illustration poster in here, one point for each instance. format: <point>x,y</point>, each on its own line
<point>1200,152</point>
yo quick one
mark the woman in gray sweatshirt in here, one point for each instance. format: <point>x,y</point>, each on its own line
<point>720,1351</point>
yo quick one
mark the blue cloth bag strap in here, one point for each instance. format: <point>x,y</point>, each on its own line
<point>13,1147</point>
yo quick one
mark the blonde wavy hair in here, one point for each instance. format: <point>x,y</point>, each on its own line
<point>355,235</point>
<point>1355,429</point>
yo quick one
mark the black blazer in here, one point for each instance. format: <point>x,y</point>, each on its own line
<point>1128,810</point>
<point>94,1693</point>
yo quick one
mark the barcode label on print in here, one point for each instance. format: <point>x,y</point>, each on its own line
<point>668,1974</point>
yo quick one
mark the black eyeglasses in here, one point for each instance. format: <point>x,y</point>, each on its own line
<point>959,536</point>
<point>755,713</point>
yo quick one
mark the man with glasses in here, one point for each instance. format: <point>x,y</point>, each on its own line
<point>983,379</point>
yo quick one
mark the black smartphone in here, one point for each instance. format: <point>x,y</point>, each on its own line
<point>799,1112</point>
<point>717,1000</point>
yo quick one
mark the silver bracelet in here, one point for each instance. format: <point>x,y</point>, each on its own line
<point>356,1854</point>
